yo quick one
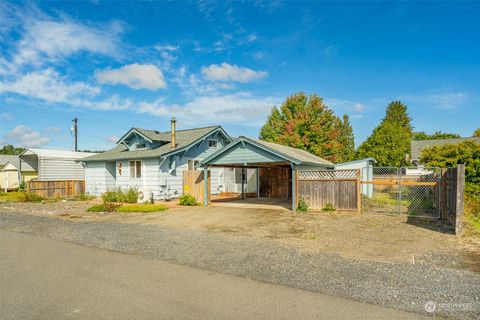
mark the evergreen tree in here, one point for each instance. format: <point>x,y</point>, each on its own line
<point>389,142</point>
<point>305,122</point>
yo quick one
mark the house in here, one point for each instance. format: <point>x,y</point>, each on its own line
<point>153,161</point>
<point>10,175</point>
<point>54,165</point>
<point>417,146</point>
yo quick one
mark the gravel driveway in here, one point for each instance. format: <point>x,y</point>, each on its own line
<point>403,286</point>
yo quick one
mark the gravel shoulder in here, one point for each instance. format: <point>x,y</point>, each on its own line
<point>397,285</point>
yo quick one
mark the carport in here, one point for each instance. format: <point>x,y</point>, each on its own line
<point>276,166</point>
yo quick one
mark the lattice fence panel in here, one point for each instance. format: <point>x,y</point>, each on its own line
<point>327,175</point>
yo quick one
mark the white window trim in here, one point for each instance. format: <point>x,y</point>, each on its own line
<point>216,143</point>
<point>135,168</point>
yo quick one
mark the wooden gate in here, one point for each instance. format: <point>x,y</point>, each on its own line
<point>194,184</point>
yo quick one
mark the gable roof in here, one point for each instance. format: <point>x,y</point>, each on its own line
<point>294,155</point>
<point>183,139</point>
<point>417,146</point>
<point>14,160</point>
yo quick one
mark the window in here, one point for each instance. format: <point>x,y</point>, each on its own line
<point>136,169</point>
<point>192,164</point>
<point>140,145</point>
<point>212,143</point>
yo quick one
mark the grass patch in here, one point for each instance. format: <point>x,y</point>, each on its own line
<point>19,196</point>
<point>82,197</point>
<point>302,205</point>
<point>142,208</point>
<point>97,208</point>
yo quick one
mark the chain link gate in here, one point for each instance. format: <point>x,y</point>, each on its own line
<point>401,190</point>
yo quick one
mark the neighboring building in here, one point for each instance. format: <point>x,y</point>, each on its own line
<point>153,161</point>
<point>54,165</point>
<point>417,146</point>
<point>10,175</point>
<point>366,171</point>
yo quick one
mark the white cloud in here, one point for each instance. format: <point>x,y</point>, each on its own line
<point>136,76</point>
<point>359,107</point>
<point>45,39</point>
<point>25,137</point>
<point>49,86</point>
<point>53,129</point>
<point>228,72</point>
<point>228,108</point>
<point>6,116</point>
<point>112,138</point>
<point>440,100</point>
<point>345,105</point>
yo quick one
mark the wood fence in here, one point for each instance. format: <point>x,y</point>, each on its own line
<point>194,184</point>
<point>55,189</point>
<point>453,187</point>
<point>340,188</point>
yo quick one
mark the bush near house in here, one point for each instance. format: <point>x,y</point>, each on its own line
<point>302,205</point>
<point>118,195</point>
<point>187,200</point>
<point>329,207</point>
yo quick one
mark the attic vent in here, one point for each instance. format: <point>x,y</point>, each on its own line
<point>140,145</point>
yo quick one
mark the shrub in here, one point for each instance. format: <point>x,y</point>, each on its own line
<point>302,205</point>
<point>20,196</point>
<point>329,207</point>
<point>97,208</point>
<point>142,208</point>
<point>130,196</point>
<point>188,200</point>
<point>111,206</point>
<point>110,196</point>
<point>118,195</point>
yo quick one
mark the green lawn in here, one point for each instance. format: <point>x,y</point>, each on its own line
<point>142,208</point>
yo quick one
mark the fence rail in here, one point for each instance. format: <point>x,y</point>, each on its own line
<point>54,189</point>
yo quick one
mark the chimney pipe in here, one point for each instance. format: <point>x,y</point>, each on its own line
<point>173,143</point>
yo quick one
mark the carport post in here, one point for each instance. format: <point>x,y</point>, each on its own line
<point>294,191</point>
<point>243,183</point>
<point>205,186</point>
<point>258,184</point>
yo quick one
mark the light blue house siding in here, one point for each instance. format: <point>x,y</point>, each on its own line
<point>163,177</point>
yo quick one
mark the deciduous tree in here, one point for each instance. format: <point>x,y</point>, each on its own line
<point>305,122</point>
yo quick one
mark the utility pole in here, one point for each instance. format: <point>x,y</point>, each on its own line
<point>75,134</point>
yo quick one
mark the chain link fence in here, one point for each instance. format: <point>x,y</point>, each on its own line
<point>401,190</point>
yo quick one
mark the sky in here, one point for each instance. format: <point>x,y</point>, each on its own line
<point>117,65</point>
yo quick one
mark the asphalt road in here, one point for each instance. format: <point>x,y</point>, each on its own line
<point>50,279</point>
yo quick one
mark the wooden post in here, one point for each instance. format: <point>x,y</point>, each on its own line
<point>460,200</point>
<point>205,186</point>
<point>443,195</point>
<point>359,192</point>
<point>258,183</point>
<point>243,183</point>
<point>294,189</point>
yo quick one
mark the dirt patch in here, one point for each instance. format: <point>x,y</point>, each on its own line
<point>361,236</point>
